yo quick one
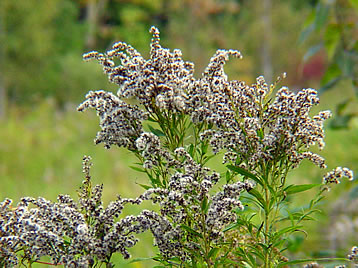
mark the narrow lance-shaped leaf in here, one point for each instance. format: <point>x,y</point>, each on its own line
<point>138,169</point>
<point>156,131</point>
<point>213,252</point>
<point>293,189</point>
<point>245,173</point>
<point>259,198</point>
<point>146,187</point>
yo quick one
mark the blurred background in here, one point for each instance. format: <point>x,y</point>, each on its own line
<point>43,79</point>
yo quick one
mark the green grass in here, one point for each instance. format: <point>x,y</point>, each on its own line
<point>41,153</point>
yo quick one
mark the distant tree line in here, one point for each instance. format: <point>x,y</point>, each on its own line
<point>41,42</point>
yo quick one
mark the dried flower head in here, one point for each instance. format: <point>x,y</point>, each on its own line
<point>187,201</point>
<point>159,82</point>
<point>75,234</point>
<point>353,256</point>
<point>312,265</point>
<point>120,122</point>
<point>336,174</point>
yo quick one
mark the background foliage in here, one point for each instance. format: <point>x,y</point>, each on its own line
<point>43,78</point>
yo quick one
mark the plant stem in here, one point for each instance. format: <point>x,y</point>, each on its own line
<point>267,227</point>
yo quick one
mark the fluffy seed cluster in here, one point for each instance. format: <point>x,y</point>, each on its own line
<point>353,256</point>
<point>121,123</point>
<point>253,126</point>
<point>159,82</point>
<point>150,148</point>
<point>312,265</point>
<point>74,234</point>
<point>187,202</point>
<point>255,131</point>
<point>84,233</point>
<point>336,174</point>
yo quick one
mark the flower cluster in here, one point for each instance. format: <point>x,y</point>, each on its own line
<point>255,131</point>
<point>120,122</point>
<point>188,210</point>
<point>251,125</point>
<point>83,233</point>
<point>149,146</point>
<point>353,256</point>
<point>159,82</point>
<point>73,234</point>
<point>335,175</point>
<point>312,265</point>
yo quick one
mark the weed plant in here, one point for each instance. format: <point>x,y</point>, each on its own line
<point>174,124</point>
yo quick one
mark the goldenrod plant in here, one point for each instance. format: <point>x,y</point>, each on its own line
<point>175,124</point>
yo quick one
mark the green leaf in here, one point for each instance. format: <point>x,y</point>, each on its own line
<point>252,259</point>
<point>204,147</point>
<point>213,252</point>
<point>355,85</point>
<point>259,198</point>
<point>228,176</point>
<point>332,72</point>
<point>293,189</point>
<point>191,150</point>
<point>260,133</point>
<point>204,204</point>
<point>67,240</point>
<point>190,230</point>
<point>138,169</point>
<point>155,181</point>
<point>259,229</point>
<point>207,158</point>
<point>245,173</point>
<point>342,120</point>
<point>151,119</point>
<point>230,227</point>
<point>256,251</point>
<point>156,131</point>
<point>141,259</point>
<point>146,187</point>
<point>286,230</point>
<point>295,242</point>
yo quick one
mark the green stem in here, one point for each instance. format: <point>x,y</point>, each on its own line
<point>267,228</point>
<point>206,243</point>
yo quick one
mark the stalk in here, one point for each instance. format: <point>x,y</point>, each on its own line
<point>267,227</point>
